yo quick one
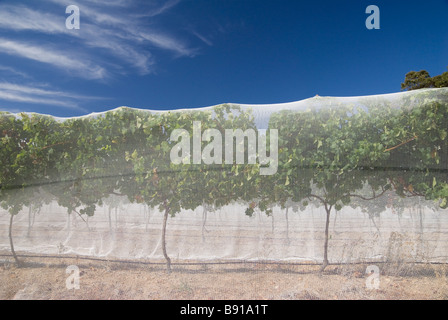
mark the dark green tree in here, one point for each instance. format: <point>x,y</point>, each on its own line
<point>417,80</point>
<point>421,79</point>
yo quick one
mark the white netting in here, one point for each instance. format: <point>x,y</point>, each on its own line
<point>390,228</point>
<point>132,231</point>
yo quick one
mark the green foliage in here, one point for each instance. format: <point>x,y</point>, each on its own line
<point>336,154</point>
<point>421,79</point>
<point>339,152</point>
<point>330,154</point>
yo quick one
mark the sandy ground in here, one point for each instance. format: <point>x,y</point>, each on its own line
<point>45,278</point>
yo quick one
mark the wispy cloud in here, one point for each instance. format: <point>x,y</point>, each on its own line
<point>114,3</point>
<point>40,91</point>
<point>21,18</point>
<point>112,27</point>
<point>21,98</point>
<point>105,25</point>
<point>166,6</point>
<point>38,95</point>
<point>11,110</point>
<point>202,38</point>
<point>13,71</point>
<point>117,37</point>
<point>52,57</point>
<point>163,42</point>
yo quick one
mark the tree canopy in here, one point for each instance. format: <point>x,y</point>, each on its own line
<point>421,79</point>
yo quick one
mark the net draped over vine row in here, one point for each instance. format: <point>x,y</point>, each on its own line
<point>351,179</point>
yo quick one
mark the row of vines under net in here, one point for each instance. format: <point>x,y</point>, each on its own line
<point>324,180</point>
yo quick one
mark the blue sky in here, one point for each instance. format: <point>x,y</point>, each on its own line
<point>194,53</point>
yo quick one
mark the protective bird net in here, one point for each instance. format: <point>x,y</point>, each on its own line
<point>323,180</point>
